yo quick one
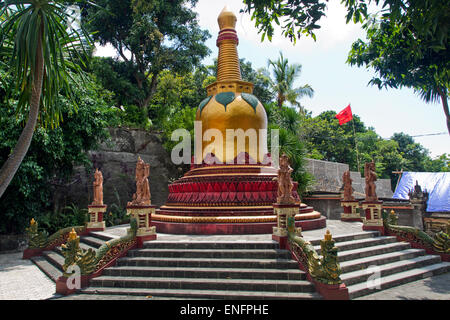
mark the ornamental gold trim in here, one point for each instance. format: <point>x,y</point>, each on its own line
<point>241,219</point>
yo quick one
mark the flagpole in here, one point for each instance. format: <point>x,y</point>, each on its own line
<point>356,144</point>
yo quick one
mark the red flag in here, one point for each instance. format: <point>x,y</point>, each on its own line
<point>345,115</point>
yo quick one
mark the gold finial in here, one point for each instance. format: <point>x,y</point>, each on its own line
<point>226,19</point>
<point>392,212</point>
<point>32,222</point>
<point>328,236</point>
<point>72,235</point>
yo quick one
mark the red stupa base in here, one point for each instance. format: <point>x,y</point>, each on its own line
<point>227,199</point>
<point>232,228</point>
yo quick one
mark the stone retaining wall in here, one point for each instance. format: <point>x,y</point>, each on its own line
<point>328,178</point>
<point>117,158</point>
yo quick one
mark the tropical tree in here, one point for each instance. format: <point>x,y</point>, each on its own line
<point>39,188</point>
<point>285,75</point>
<point>42,46</point>
<point>149,37</point>
<point>408,49</point>
<point>402,60</point>
<point>287,121</point>
<point>301,17</point>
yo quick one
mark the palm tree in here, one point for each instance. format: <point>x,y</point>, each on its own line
<point>433,93</point>
<point>285,75</point>
<point>43,49</point>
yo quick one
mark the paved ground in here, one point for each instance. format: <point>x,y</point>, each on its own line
<point>22,280</point>
<point>433,288</point>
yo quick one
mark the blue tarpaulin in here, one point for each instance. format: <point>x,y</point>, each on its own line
<point>436,183</point>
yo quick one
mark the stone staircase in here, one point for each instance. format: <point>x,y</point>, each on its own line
<point>395,263</point>
<point>51,262</point>
<point>207,269</point>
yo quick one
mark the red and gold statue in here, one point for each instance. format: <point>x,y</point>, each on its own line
<point>285,184</point>
<point>371,177</point>
<point>98,188</point>
<point>348,190</point>
<point>142,196</point>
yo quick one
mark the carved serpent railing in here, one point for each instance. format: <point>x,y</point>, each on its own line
<point>440,243</point>
<point>39,239</point>
<point>89,261</point>
<point>325,269</point>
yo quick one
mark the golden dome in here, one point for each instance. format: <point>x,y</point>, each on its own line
<point>233,111</point>
<point>226,19</point>
<point>230,103</point>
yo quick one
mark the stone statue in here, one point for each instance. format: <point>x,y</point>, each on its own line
<point>285,184</point>
<point>371,177</point>
<point>98,188</point>
<point>142,196</point>
<point>348,190</point>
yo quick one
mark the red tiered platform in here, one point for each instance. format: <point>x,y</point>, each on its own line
<point>227,199</point>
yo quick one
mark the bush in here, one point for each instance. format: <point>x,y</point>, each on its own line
<point>50,160</point>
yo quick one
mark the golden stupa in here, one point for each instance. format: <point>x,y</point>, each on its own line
<point>228,195</point>
<point>230,104</point>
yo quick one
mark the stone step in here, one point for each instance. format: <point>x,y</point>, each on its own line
<point>54,258</point>
<point>347,237</point>
<point>208,263</point>
<point>204,294</point>
<point>361,243</point>
<point>372,251</point>
<point>400,278</point>
<point>213,254</point>
<point>364,263</point>
<point>359,276</point>
<point>204,284</point>
<point>101,236</point>
<point>210,245</point>
<point>211,273</point>
<point>92,241</point>
<point>46,267</point>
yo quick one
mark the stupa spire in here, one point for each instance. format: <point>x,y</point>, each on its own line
<point>228,69</point>
<point>227,41</point>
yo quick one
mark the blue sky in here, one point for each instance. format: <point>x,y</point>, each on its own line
<point>335,83</point>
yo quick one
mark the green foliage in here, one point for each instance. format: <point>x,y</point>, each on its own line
<point>285,75</point>
<point>28,24</point>
<point>174,94</point>
<point>69,216</point>
<point>52,155</point>
<point>301,17</point>
<point>440,164</point>
<point>407,46</point>
<point>400,59</point>
<point>150,37</point>
<point>287,121</point>
<point>326,140</point>
<point>260,79</point>
<point>117,213</point>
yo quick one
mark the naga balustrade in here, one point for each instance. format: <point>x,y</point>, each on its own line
<point>39,240</point>
<point>81,265</point>
<point>323,271</point>
<point>439,244</point>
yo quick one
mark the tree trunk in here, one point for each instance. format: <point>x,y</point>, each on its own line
<point>11,165</point>
<point>444,99</point>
